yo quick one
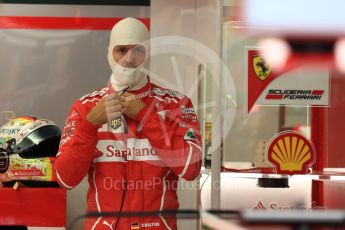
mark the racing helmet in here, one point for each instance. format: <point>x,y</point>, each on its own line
<point>30,137</point>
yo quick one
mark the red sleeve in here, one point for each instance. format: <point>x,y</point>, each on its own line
<point>175,135</point>
<point>76,149</point>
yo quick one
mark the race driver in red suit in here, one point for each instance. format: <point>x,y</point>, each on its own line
<point>135,144</point>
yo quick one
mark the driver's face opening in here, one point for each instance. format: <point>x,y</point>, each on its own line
<point>129,56</point>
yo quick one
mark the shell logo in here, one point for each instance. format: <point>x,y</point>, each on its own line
<point>291,153</point>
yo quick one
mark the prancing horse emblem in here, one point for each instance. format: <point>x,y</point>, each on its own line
<point>261,68</point>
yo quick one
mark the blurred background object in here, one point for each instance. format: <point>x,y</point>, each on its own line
<point>293,31</point>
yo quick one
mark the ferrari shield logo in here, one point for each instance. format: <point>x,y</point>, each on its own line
<point>261,68</point>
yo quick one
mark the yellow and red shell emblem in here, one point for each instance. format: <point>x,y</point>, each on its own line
<point>291,153</point>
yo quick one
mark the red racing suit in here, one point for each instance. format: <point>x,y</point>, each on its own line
<point>133,165</point>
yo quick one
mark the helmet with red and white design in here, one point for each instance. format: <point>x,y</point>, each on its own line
<point>30,137</point>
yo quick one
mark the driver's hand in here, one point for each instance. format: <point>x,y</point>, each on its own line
<point>108,108</point>
<point>131,104</point>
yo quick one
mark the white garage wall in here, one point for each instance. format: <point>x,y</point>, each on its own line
<point>44,71</point>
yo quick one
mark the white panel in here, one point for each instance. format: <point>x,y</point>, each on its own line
<point>177,69</point>
<point>303,79</point>
<point>308,16</point>
<point>239,193</point>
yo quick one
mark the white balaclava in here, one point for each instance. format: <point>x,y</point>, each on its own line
<point>128,31</point>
